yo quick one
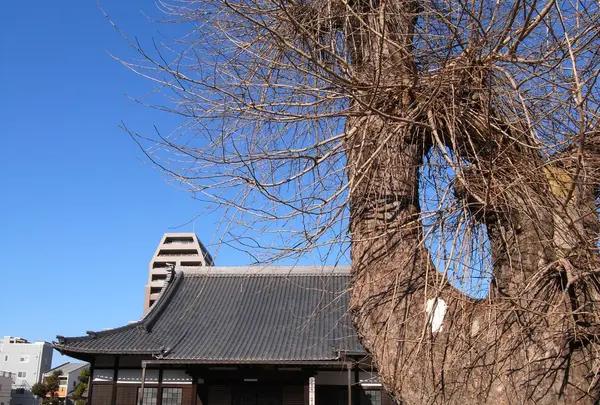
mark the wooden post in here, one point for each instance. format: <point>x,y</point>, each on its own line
<point>115,379</point>
<point>143,381</point>
<point>349,365</point>
<point>159,390</point>
<point>91,382</point>
<point>357,386</point>
<point>194,387</point>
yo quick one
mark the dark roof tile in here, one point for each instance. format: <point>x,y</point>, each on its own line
<point>254,317</point>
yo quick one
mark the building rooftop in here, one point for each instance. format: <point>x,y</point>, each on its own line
<point>67,368</point>
<point>237,315</point>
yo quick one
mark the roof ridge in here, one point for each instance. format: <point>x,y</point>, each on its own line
<point>56,368</point>
<point>146,322</point>
<point>189,275</point>
<point>166,294</point>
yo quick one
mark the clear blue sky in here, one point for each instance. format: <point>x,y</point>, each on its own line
<point>81,212</point>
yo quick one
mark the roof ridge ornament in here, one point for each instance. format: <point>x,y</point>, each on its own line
<point>170,275</point>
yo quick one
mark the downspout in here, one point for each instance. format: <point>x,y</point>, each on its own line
<point>143,381</point>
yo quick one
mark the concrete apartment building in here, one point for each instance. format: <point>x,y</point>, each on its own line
<point>6,379</point>
<point>68,379</point>
<point>175,249</point>
<point>27,362</point>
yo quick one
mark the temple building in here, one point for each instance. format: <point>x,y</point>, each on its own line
<point>235,336</point>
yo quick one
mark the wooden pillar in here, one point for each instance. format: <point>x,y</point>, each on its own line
<point>306,392</point>
<point>91,382</point>
<point>349,365</point>
<point>194,388</point>
<point>115,379</point>
<point>356,386</point>
<point>141,399</point>
<point>159,389</point>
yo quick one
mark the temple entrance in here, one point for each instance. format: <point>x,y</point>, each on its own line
<point>256,395</point>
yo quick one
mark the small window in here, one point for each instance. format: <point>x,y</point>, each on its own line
<point>24,358</point>
<point>150,396</point>
<point>6,358</point>
<point>370,397</point>
<point>172,396</point>
<point>22,374</point>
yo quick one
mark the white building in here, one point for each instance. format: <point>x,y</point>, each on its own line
<point>27,361</point>
<point>5,387</point>
<point>69,377</point>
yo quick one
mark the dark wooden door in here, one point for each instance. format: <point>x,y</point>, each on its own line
<point>257,395</point>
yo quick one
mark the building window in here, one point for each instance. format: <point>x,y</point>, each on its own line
<point>172,396</point>
<point>22,374</point>
<point>24,358</point>
<point>6,358</point>
<point>150,396</point>
<point>370,397</point>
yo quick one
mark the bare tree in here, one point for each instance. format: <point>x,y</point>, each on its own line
<point>456,140</point>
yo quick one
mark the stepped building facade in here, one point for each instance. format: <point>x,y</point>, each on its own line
<point>182,250</point>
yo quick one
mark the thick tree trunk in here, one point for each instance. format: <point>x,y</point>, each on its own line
<point>535,339</point>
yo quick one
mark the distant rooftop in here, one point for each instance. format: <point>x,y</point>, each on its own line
<point>15,339</point>
<point>67,368</point>
<point>20,340</point>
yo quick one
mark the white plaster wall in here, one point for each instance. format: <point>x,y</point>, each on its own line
<point>176,377</point>
<point>73,379</point>
<point>103,374</point>
<point>367,379</point>
<point>129,376</point>
<point>341,378</point>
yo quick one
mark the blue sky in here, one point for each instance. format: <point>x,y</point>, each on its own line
<point>81,211</point>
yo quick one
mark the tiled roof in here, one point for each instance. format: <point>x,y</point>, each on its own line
<point>67,368</point>
<point>273,315</point>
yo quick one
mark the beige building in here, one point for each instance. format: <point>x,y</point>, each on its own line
<point>175,249</point>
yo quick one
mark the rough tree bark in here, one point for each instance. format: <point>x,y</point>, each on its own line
<point>535,339</point>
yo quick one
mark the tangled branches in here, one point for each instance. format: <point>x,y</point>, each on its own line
<point>457,141</point>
